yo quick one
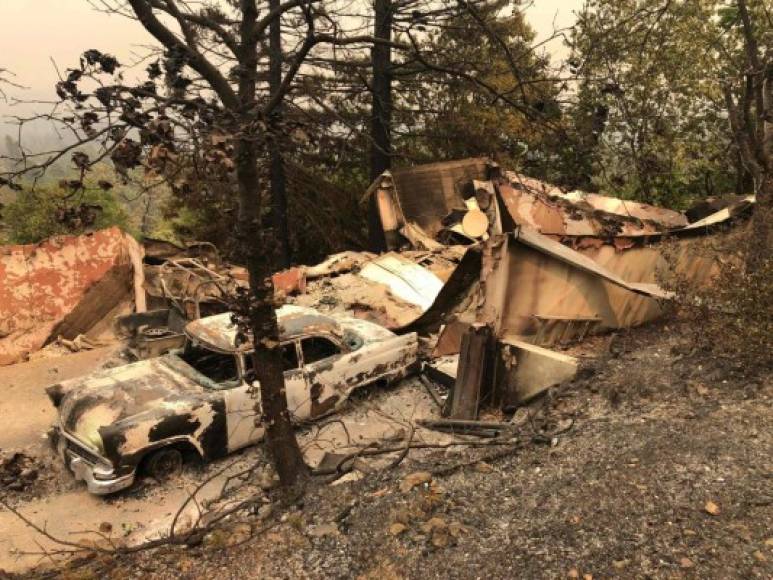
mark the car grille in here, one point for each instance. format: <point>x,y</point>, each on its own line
<point>83,452</point>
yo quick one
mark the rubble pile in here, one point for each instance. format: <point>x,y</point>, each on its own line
<point>487,265</point>
<point>393,289</point>
<point>542,268</point>
<point>17,471</point>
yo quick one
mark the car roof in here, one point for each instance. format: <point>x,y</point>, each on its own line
<point>219,333</point>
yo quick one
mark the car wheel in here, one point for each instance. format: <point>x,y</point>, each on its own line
<point>164,463</point>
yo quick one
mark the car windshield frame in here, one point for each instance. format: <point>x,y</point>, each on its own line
<point>207,381</point>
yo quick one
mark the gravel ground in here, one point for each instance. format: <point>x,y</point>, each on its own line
<point>665,473</point>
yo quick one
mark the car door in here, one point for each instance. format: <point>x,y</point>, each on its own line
<point>332,376</point>
<point>241,400</point>
<point>330,370</point>
<point>296,386</point>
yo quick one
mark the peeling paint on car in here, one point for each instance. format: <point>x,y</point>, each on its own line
<point>124,413</point>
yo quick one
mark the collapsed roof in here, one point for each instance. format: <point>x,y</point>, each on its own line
<point>542,266</point>
<point>424,205</point>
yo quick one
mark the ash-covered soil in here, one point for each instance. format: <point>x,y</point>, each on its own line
<point>666,472</point>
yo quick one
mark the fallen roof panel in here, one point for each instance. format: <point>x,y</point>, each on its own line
<point>405,279</point>
<point>724,214</point>
<point>557,250</point>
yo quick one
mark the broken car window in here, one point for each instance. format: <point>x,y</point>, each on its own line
<point>221,368</point>
<point>316,348</point>
<point>289,360</point>
<point>289,357</point>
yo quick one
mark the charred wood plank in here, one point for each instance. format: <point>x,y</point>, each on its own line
<point>474,361</point>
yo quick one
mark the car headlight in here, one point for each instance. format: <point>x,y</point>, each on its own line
<point>103,472</point>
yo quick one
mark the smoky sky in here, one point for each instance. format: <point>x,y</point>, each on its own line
<point>39,34</point>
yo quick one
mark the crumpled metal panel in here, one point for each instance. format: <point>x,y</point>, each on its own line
<point>579,261</point>
<point>43,286</point>
<point>551,211</point>
<point>527,274</point>
<point>405,279</point>
<point>724,214</point>
<point>668,218</point>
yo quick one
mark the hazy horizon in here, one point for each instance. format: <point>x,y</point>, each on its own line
<point>39,33</point>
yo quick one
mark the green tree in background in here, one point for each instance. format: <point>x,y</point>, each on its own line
<point>460,119</point>
<point>649,104</point>
<point>47,211</point>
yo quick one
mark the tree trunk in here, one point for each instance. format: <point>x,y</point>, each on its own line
<point>267,361</point>
<point>381,112</point>
<point>259,250</point>
<point>280,433</point>
<point>744,184</point>
<point>277,173</point>
<point>381,115</point>
<point>761,245</point>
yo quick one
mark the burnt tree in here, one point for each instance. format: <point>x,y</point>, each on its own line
<point>248,117</point>
<point>278,181</point>
<point>381,108</point>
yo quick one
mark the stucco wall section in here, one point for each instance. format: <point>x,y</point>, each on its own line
<point>42,284</point>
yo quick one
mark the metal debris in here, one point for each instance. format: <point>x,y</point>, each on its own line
<point>473,374</point>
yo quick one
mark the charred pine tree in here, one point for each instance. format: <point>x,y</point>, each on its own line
<point>381,109</point>
<point>277,173</point>
<point>259,249</point>
<point>380,113</point>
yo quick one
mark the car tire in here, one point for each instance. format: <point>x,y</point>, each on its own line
<point>164,464</point>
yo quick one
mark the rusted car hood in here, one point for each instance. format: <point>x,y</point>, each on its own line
<point>106,397</point>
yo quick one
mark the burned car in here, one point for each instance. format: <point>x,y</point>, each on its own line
<point>201,399</point>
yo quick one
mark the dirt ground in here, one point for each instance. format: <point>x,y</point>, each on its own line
<point>24,407</point>
<point>665,473</point>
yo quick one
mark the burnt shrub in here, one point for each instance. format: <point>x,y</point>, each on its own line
<point>730,316</point>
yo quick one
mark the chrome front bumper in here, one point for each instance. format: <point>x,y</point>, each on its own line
<point>100,478</point>
<point>85,472</point>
